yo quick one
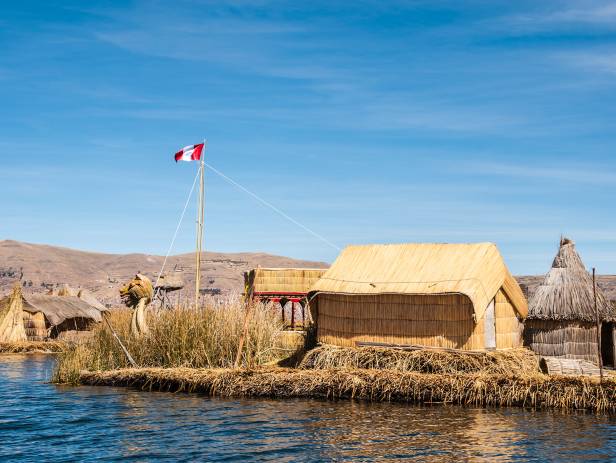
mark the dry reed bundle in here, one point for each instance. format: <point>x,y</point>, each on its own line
<point>25,347</point>
<point>207,337</point>
<point>514,361</point>
<point>537,391</point>
<point>11,318</point>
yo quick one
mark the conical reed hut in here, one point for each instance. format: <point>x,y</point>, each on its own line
<point>458,296</point>
<point>562,321</point>
<point>11,318</point>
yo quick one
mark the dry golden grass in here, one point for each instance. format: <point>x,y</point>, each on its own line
<point>478,389</point>
<point>25,347</point>
<point>182,337</point>
<point>513,361</point>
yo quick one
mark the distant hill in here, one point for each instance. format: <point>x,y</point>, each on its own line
<point>46,266</point>
<point>49,266</point>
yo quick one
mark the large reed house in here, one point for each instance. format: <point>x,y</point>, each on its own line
<point>459,296</point>
<point>562,321</point>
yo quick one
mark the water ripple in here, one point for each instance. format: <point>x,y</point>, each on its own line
<point>43,422</point>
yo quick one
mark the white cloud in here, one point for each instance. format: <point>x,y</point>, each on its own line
<point>596,13</point>
<point>597,61</point>
<point>557,173</point>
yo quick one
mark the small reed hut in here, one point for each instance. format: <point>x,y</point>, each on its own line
<point>285,286</point>
<point>562,321</point>
<point>457,296</point>
<point>46,316</point>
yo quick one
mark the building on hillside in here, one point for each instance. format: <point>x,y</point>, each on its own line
<point>458,296</point>
<point>562,321</point>
<point>285,287</point>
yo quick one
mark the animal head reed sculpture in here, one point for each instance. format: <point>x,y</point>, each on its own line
<point>137,294</point>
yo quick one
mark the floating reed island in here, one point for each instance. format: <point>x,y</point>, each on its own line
<point>427,376</point>
<point>477,389</point>
<point>414,323</point>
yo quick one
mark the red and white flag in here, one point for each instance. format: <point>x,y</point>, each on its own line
<point>189,153</point>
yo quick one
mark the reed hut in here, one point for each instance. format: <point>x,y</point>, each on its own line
<point>46,316</point>
<point>562,321</point>
<point>285,286</point>
<point>457,296</point>
<point>165,285</point>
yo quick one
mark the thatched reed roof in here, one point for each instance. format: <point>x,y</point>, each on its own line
<point>567,291</point>
<point>90,298</point>
<point>170,283</point>
<point>475,270</point>
<point>282,280</point>
<point>57,309</point>
<point>83,294</point>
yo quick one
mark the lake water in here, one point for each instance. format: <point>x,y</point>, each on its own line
<point>43,422</point>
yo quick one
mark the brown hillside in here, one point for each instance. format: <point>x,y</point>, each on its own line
<point>50,266</point>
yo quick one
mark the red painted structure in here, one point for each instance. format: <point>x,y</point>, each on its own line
<point>282,299</point>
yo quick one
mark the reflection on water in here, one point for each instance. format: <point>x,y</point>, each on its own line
<point>39,421</point>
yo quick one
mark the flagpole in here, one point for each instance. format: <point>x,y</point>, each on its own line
<point>200,220</point>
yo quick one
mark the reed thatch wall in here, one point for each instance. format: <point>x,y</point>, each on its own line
<point>563,339</point>
<point>509,327</point>
<point>281,280</point>
<point>35,326</point>
<point>429,320</point>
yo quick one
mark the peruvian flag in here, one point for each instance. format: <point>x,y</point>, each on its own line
<point>189,153</point>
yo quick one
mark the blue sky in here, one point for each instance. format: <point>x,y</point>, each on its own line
<point>367,121</point>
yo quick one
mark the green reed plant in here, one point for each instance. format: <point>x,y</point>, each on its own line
<point>206,337</point>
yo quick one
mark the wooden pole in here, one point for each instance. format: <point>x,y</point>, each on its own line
<point>594,292</point>
<point>200,220</point>
<point>248,304</point>
<point>117,338</point>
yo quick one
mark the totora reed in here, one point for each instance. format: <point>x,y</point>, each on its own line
<point>538,391</point>
<point>513,361</point>
<point>33,347</point>
<point>194,351</point>
<point>181,337</point>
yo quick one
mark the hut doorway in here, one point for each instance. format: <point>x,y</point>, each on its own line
<point>608,339</point>
<point>490,327</point>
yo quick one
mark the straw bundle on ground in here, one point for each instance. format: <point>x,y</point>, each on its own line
<point>562,318</point>
<point>514,361</point>
<point>538,391</point>
<point>458,296</point>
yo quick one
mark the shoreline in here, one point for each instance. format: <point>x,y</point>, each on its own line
<point>33,347</point>
<point>533,392</point>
